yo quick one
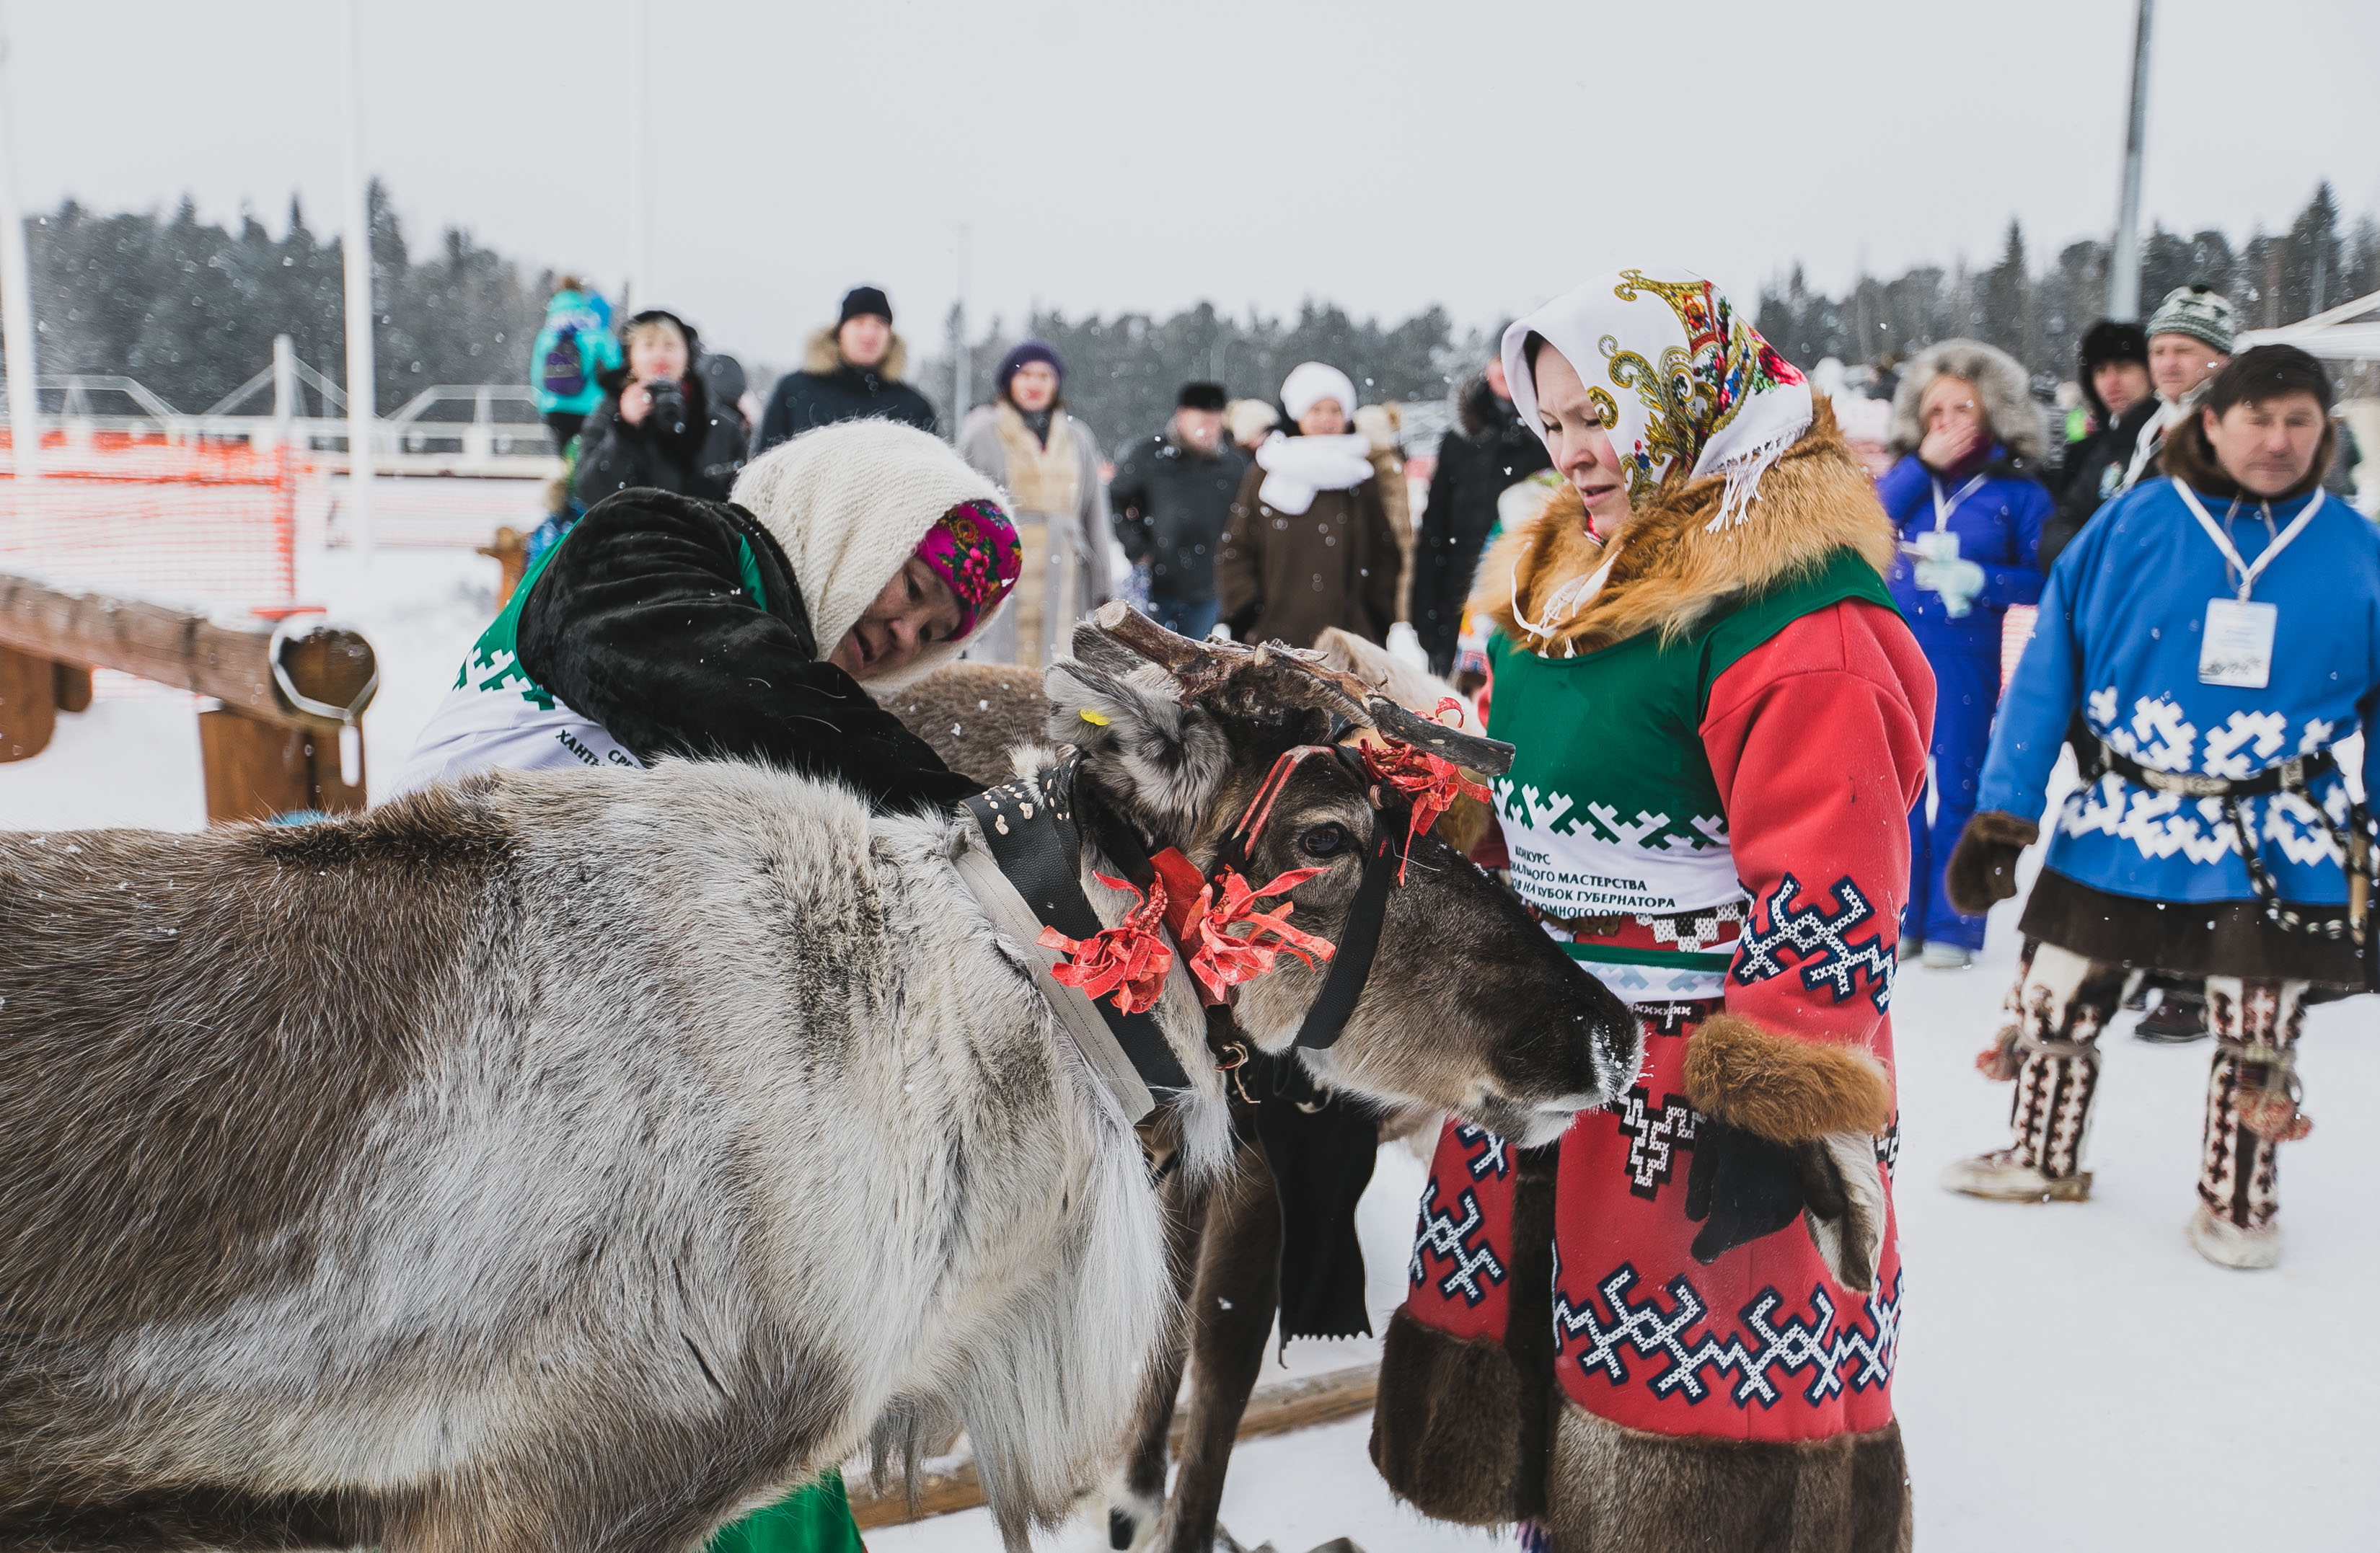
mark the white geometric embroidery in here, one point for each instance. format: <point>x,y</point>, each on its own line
<point>2225,758</point>
<point>1820,945</point>
<point>2159,737</point>
<point>1697,929</point>
<point>1440,1234</point>
<point>1655,1135</point>
<point>1491,1157</point>
<point>2317,734</point>
<point>1628,835</point>
<point>1788,1347</point>
<point>2102,709</point>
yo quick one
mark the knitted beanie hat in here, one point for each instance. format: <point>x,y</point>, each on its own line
<point>850,504</point>
<point>1029,351</point>
<point>2199,312</point>
<point>865,301</point>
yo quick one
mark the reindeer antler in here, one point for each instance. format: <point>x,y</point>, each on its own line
<point>1279,673</point>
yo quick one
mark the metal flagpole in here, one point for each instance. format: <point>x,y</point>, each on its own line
<point>639,152</point>
<point>356,243</point>
<point>17,299</point>
<point>2124,263</point>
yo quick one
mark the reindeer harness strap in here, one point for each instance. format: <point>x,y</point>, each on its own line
<point>1029,829</point>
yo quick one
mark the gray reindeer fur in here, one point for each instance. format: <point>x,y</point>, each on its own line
<point>573,1161</point>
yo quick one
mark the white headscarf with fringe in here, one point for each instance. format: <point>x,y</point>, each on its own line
<point>1677,375</point>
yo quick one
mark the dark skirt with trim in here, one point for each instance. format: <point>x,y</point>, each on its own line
<point>2196,938</point>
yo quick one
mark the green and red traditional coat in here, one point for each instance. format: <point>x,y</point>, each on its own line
<point>1715,762</point>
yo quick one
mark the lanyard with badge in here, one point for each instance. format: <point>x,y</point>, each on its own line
<point>2236,649</point>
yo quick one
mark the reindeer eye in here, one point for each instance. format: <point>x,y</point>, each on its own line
<point>1325,840</point>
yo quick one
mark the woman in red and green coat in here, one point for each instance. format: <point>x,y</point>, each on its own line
<point>1677,1327</point>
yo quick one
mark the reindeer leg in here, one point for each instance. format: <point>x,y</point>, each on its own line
<point>1231,1311</point>
<point>1139,1499</point>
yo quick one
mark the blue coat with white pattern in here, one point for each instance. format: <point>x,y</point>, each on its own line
<point>2118,638</point>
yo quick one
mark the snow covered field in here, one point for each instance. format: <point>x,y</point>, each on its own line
<point>2072,1376</point>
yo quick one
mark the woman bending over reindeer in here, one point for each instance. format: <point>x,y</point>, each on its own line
<point>1721,722</point>
<point>666,624</point>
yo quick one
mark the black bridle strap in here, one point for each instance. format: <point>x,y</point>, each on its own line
<point>1359,940</point>
<point>1028,827</point>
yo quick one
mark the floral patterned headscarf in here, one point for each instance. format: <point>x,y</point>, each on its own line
<point>1680,377</point>
<point>974,549</point>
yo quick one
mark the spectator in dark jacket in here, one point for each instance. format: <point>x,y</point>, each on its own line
<point>852,371</point>
<point>659,426</point>
<point>1172,496</point>
<point>2116,385</point>
<point>1490,453</point>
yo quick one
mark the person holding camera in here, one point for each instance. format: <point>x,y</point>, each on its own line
<point>658,425</point>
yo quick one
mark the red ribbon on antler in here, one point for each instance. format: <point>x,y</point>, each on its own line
<point>1221,960</point>
<point>1431,782</point>
<point>1129,961</point>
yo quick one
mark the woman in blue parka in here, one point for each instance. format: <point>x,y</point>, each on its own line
<point>1970,516</point>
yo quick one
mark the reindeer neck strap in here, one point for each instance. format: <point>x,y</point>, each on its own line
<point>1028,828</point>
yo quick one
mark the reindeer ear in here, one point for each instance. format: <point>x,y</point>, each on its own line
<point>1169,755</point>
<point>1101,650</point>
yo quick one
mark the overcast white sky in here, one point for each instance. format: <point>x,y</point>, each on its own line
<point>1123,156</point>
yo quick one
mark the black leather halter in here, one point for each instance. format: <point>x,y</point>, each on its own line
<point>1028,825</point>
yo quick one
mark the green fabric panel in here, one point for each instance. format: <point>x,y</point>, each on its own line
<point>1845,575</point>
<point>493,663</point>
<point>814,1519</point>
<point>751,570</point>
<point>1681,958</point>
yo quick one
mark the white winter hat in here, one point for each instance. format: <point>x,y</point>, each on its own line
<point>1310,383</point>
<point>849,503</point>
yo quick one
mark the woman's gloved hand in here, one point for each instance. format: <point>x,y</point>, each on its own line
<point>1743,1186</point>
<point>1957,581</point>
<point>1983,865</point>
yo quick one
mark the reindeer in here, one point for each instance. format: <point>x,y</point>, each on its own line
<point>1223,1234</point>
<point>577,1161</point>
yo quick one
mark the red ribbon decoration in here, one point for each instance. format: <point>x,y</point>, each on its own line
<point>1129,961</point>
<point>1221,960</point>
<point>1431,782</point>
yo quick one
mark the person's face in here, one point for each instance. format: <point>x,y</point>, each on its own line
<point>1201,429</point>
<point>2268,447</point>
<point>1324,418</point>
<point>864,340</point>
<point>1581,448</point>
<point>656,353</point>
<point>915,610</point>
<point>1952,411</point>
<point>1033,388</point>
<point>2178,363</point>
<point>1496,383</point>
<point>2120,385</point>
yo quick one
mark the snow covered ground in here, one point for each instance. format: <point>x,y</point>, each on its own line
<point>2072,1376</point>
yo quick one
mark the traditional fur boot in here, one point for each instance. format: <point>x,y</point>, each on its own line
<point>2252,1108</point>
<point>2060,1005</point>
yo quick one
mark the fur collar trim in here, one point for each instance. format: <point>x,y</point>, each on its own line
<point>1672,569</point>
<point>820,355</point>
<point>2016,422</point>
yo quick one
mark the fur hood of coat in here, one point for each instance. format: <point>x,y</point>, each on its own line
<point>820,355</point>
<point>1672,570</point>
<point>2016,421</point>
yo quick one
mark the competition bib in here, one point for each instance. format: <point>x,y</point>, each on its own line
<point>2237,647</point>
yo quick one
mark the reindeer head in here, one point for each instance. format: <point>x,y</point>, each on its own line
<point>1467,1005</point>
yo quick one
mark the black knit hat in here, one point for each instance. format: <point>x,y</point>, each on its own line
<point>1201,396</point>
<point>2110,340</point>
<point>865,301</point>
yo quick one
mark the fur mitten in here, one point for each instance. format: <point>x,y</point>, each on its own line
<point>1983,865</point>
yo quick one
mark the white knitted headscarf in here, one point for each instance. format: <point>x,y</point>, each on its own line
<point>849,503</point>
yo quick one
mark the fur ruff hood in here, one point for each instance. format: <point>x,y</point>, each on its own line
<point>1672,570</point>
<point>2017,423</point>
<point>822,356</point>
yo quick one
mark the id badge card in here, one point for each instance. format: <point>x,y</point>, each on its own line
<point>2237,647</point>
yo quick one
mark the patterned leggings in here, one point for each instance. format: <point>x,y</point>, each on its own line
<point>2060,1003</point>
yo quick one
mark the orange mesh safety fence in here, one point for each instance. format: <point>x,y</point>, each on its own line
<point>206,526</point>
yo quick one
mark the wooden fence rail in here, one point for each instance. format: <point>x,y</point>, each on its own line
<point>264,754</point>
